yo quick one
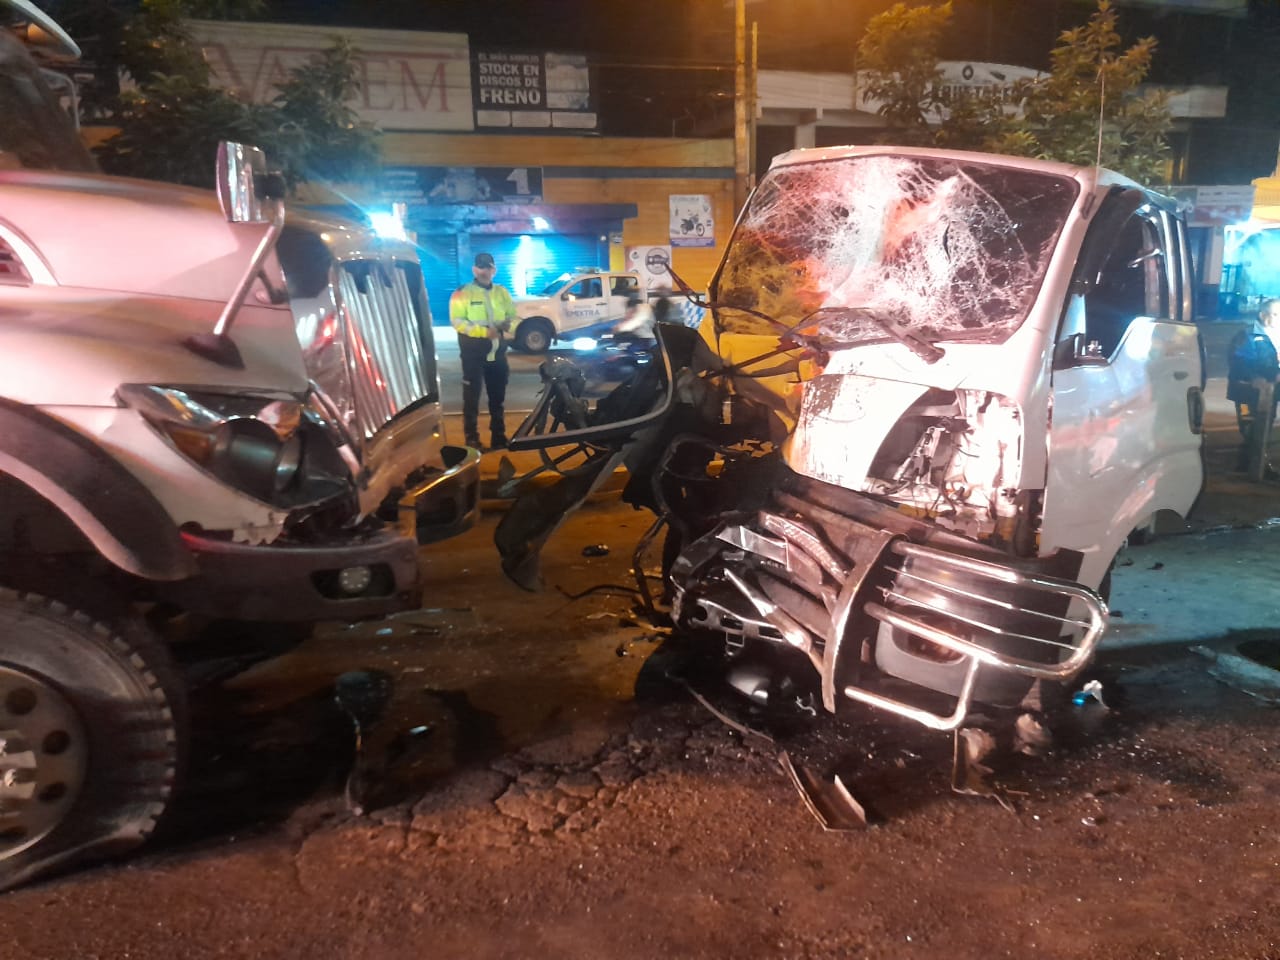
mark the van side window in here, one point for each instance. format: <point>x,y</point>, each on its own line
<point>624,286</point>
<point>1132,283</point>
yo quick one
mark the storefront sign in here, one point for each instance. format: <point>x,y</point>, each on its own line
<point>409,80</point>
<point>437,185</point>
<point>692,224</point>
<point>1215,206</point>
<point>532,91</point>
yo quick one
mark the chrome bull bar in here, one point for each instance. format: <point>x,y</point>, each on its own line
<point>987,613</point>
<point>978,649</point>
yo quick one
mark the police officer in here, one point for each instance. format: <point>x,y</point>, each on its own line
<point>482,311</point>
<point>1252,363</point>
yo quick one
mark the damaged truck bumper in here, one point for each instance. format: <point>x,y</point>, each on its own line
<point>888,611</point>
<point>280,582</point>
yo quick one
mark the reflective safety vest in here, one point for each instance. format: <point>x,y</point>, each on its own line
<point>472,309</point>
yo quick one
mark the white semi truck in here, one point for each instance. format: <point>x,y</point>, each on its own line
<point>207,407</point>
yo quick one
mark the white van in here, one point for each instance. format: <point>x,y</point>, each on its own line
<point>938,391</point>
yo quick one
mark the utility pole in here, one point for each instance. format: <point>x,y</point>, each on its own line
<point>741,135</point>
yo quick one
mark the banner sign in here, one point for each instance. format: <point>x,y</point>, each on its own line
<point>1215,206</point>
<point>532,91</point>
<point>409,80</point>
<point>439,185</point>
<point>692,224</point>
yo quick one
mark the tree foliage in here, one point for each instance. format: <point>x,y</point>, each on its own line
<point>1089,108</point>
<point>899,54</point>
<point>1093,85</point>
<point>170,117</point>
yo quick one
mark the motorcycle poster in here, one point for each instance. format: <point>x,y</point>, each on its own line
<point>692,224</point>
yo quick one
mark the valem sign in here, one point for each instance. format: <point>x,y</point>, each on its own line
<point>409,80</point>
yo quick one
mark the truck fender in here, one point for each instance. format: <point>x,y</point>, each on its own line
<point>109,505</point>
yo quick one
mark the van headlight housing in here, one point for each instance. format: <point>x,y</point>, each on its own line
<point>281,450</point>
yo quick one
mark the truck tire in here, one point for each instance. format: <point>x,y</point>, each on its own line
<point>92,723</point>
<point>535,335</point>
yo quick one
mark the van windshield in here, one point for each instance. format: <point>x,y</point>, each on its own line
<point>36,133</point>
<point>946,248</point>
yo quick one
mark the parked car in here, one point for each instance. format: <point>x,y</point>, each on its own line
<point>583,303</point>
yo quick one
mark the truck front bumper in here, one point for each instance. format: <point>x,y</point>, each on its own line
<point>445,503</point>
<point>357,577</point>
<point>371,577</point>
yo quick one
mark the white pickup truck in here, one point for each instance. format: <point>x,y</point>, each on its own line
<point>583,303</point>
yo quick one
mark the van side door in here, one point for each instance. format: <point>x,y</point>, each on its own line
<point>1124,437</point>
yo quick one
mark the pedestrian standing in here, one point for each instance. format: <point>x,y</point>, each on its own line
<point>482,312</point>
<point>1252,365</point>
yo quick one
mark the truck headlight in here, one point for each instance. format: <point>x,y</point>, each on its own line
<point>282,451</point>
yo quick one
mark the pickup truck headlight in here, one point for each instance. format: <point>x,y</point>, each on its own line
<point>282,451</point>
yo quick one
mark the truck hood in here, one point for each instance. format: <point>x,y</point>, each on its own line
<point>78,347</point>
<point>534,306</point>
<point>133,236</point>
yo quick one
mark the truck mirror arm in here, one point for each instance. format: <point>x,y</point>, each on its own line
<point>218,345</point>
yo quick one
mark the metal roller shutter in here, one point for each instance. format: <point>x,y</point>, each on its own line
<point>440,272</point>
<point>528,263</point>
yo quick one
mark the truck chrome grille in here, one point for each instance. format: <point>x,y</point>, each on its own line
<point>390,369</point>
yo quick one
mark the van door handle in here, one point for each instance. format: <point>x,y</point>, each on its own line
<point>1180,374</point>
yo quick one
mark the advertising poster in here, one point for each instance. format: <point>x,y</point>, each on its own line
<point>691,222</point>
<point>1214,206</point>
<point>651,262</point>
<point>521,91</point>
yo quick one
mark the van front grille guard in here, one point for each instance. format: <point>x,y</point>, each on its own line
<point>953,591</point>
<point>777,579</point>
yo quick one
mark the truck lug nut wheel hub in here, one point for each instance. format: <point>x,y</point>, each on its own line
<point>43,758</point>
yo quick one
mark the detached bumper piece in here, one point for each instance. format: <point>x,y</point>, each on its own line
<point>445,503</point>
<point>889,611</point>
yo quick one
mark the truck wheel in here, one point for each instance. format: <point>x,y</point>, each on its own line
<point>535,335</point>
<point>91,723</point>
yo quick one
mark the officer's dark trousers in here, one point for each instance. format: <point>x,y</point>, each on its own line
<point>1251,421</point>
<point>478,371</point>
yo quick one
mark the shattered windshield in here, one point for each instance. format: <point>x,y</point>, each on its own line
<point>870,247</point>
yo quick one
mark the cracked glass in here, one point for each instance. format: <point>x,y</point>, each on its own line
<point>864,249</point>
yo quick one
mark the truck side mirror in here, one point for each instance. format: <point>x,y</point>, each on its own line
<point>241,178</point>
